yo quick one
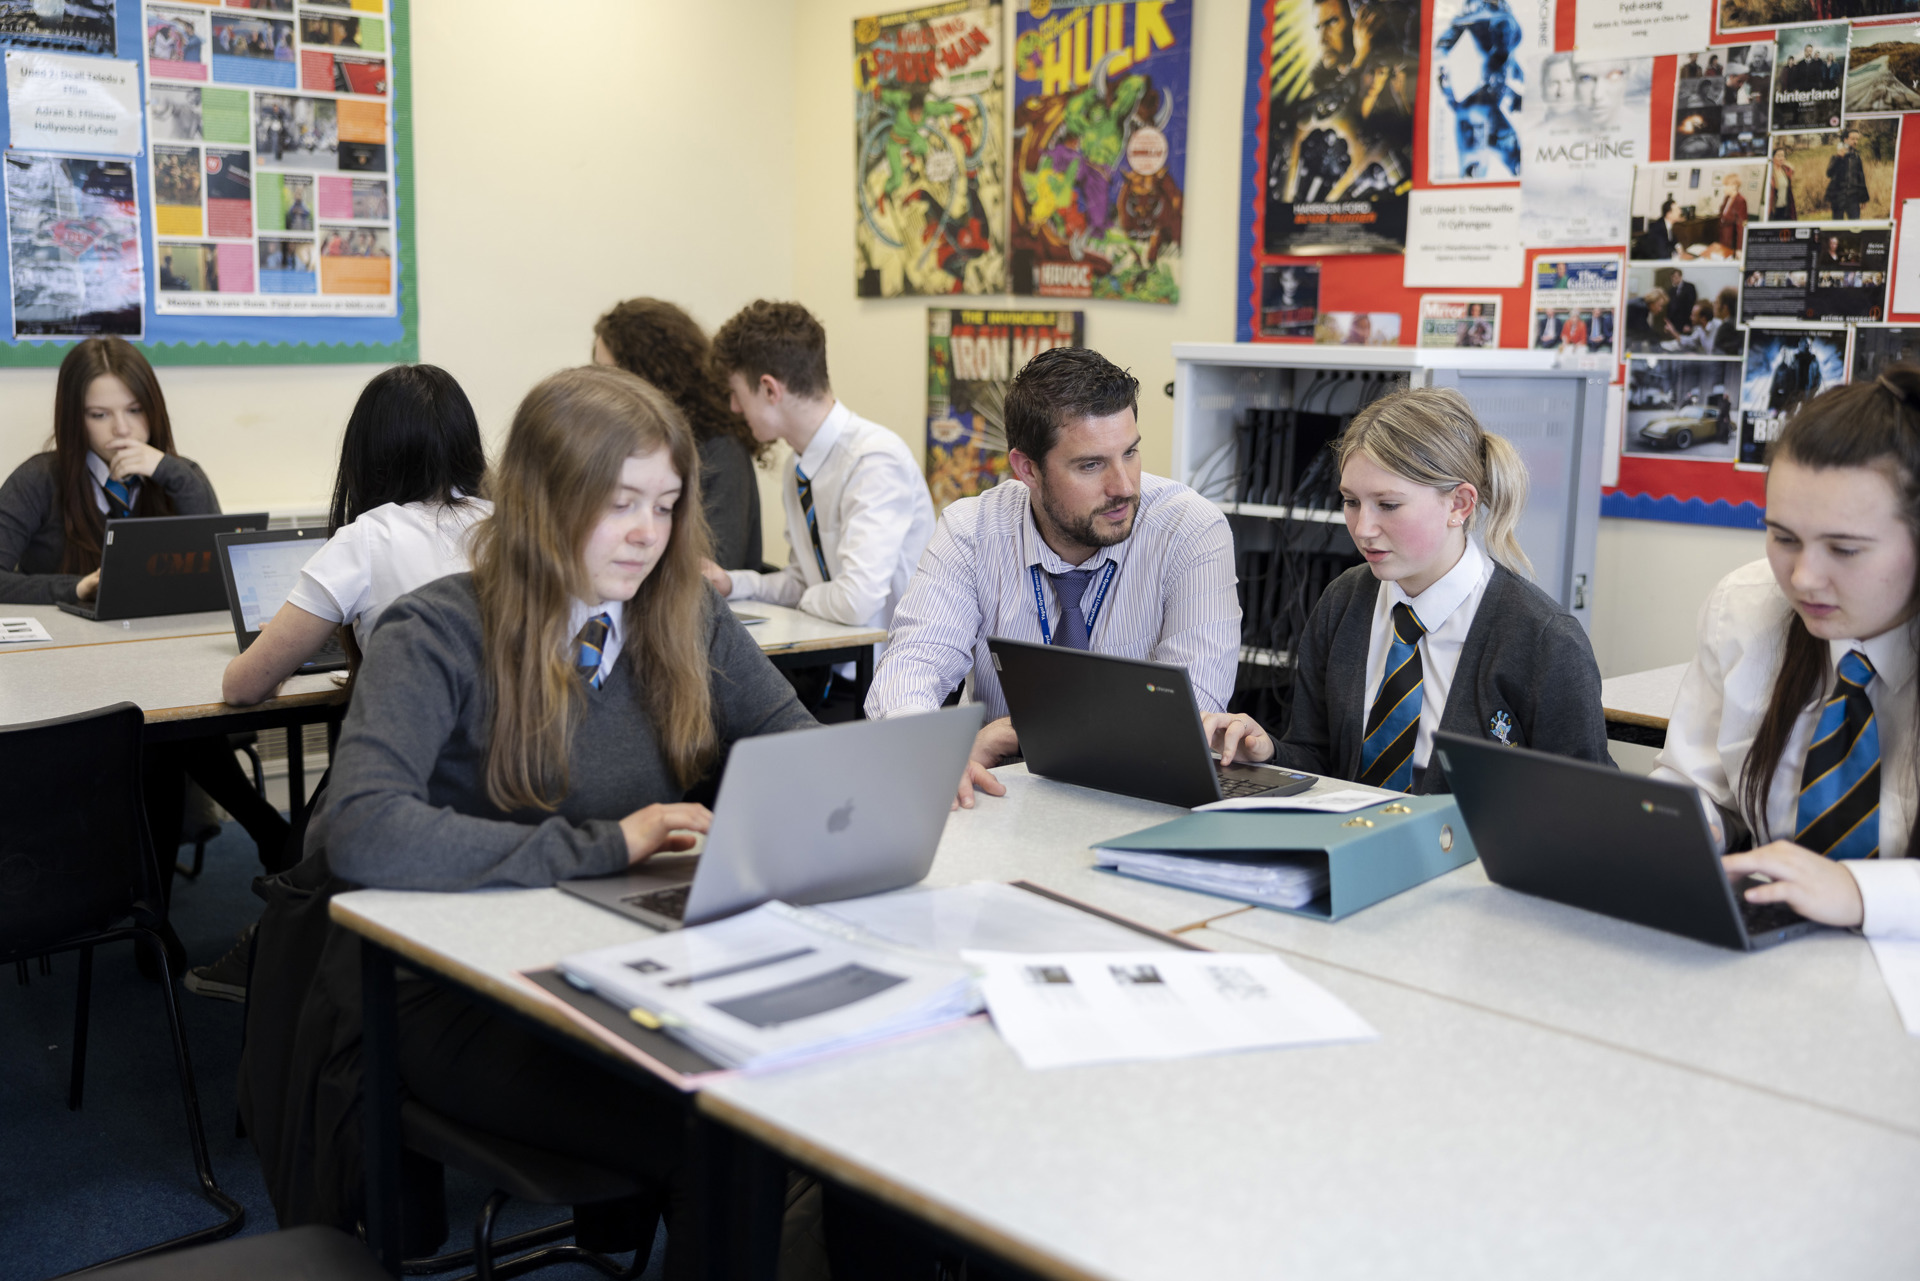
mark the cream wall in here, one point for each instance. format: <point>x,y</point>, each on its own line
<point>703,153</point>
<point>552,178</point>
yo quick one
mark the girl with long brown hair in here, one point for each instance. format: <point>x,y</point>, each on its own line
<point>1441,628</point>
<point>543,717</point>
<point>112,456</point>
<point>1796,717</point>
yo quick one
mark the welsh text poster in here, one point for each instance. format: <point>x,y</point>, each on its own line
<point>73,232</point>
<point>1341,81</point>
<point>1636,29</point>
<point>971,357</point>
<point>1581,147</point>
<point>929,147</point>
<point>1100,149</point>
<point>1464,240</point>
<point>271,160</point>
<point>1478,85</point>
<point>61,103</point>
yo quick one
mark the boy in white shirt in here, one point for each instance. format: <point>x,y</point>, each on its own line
<point>858,512</point>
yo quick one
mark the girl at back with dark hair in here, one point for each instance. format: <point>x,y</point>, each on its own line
<point>405,499</point>
<point>112,456</point>
<point>1797,715</point>
<point>666,346</point>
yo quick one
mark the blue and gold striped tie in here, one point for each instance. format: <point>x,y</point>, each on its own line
<point>589,644</point>
<point>1839,812</point>
<point>119,497</point>
<point>813,521</point>
<point>1393,724</point>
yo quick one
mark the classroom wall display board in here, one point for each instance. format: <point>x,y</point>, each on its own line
<point>1735,213</point>
<point>971,358</point>
<point>222,183</point>
<point>1100,98</point>
<point>929,145</point>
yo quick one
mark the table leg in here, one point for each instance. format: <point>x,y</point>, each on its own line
<point>380,1086</point>
<point>741,1195</point>
<point>296,768</point>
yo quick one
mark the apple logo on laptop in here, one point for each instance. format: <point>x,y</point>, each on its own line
<point>842,818</point>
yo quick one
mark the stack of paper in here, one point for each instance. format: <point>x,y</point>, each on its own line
<point>1273,879</point>
<point>23,629</point>
<point>775,985</point>
<point>1067,1008</point>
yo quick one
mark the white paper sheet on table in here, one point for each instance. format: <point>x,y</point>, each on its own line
<point>1066,1008</point>
<point>983,916</point>
<point>18,630</point>
<point>1344,801</point>
<point>1899,961</point>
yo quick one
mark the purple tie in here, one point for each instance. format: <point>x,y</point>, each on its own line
<point>1071,586</point>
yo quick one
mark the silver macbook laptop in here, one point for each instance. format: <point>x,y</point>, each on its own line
<point>260,569</point>
<point>811,816</point>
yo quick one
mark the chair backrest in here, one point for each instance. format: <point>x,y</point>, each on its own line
<point>75,854</point>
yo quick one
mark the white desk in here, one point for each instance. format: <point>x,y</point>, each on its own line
<point>1637,705</point>
<point>1553,1094</point>
<point>790,631</point>
<point>70,629</point>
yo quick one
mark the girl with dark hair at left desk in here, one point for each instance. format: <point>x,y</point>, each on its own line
<point>113,456</point>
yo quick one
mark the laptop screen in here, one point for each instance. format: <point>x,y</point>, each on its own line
<point>264,573</point>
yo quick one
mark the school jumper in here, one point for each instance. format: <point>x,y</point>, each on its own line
<point>407,808</point>
<point>1525,676</point>
<point>33,534</point>
<point>1723,698</point>
<point>730,497</point>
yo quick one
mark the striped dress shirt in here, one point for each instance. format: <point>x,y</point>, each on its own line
<point>1172,598</point>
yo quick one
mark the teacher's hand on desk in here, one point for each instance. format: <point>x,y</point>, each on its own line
<point>993,744</point>
<point>663,829</point>
<point>1811,884</point>
<point>1236,736</point>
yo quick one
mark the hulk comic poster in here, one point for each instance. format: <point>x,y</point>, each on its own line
<point>1100,148</point>
<point>971,357</point>
<point>1331,91</point>
<point>929,148</point>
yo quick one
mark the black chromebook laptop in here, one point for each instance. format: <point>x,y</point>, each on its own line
<point>1616,843</point>
<point>151,565</point>
<point>259,569</point>
<point>1121,725</point>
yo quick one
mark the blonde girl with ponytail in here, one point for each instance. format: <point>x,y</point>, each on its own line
<point>1442,628</point>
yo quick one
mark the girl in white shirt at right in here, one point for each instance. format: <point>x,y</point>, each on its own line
<point>404,505</point>
<point>1797,715</point>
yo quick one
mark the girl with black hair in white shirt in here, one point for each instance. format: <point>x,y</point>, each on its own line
<point>1796,717</point>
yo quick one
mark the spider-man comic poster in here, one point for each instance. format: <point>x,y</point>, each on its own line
<point>929,147</point>
<point>1100,148</point>
<point>1340,78</point>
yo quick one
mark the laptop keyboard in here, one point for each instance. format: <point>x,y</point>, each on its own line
<point>670,902</point>
<point>1231,786</point>
<point>1764,918</point>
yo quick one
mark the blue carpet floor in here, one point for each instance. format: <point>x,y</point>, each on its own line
<point>79,1187</point>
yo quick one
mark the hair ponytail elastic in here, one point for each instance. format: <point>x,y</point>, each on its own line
<point>1898,395</point>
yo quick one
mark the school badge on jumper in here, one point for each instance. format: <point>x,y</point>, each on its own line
<point>1501,727</point>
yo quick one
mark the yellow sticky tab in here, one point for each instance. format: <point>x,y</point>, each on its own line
<point>645,1018</point>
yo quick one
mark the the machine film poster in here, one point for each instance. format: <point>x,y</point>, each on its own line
<point>1340,82</point>
<point>1100,149</point>
<point>929,142</point>
<point>971,357</point>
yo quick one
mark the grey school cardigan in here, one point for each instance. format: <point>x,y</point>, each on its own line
<point>33,537</point>
<point>406,804</point>
<point>1526,669</point>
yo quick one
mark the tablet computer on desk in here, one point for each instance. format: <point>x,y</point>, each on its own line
<point>810,816</point>
<point>1121,725</point>
<point>152,565</point>
<point>1594,837</point>
<point>260,568</point>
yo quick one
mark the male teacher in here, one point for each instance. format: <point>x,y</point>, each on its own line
<point>1084,551</point>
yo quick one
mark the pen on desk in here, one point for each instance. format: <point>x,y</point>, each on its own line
<point>690,979</point>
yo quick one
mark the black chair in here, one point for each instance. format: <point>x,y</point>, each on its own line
<point>515,1170</point>
<point>77,870</point>
<point>312,1253</point>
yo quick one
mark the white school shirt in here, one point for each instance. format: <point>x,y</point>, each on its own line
<point>614,610</point>
<point>102,474</point>
<point>1171,600</point>
<point>1446,610</point>
<point>875,517</point>
<point>1724,696</point>
<point>380,556</point>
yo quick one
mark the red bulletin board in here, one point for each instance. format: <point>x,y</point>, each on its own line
<point>1371,282</point>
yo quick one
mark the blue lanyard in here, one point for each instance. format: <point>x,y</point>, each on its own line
<point>1093,615</point>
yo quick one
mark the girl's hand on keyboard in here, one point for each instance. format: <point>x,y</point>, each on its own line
<point>1813,885</point>
<point>663,828</point>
